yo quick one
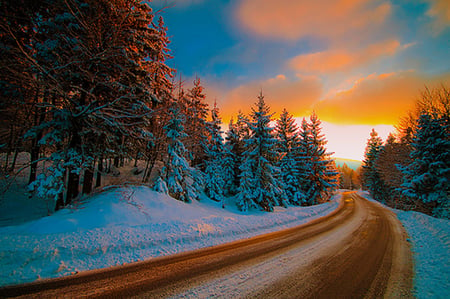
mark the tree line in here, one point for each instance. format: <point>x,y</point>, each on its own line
<point>85,84</point>
<point>348,177</point>
<point>411,170</point>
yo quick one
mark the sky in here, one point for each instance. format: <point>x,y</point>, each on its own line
<point>358,64</point>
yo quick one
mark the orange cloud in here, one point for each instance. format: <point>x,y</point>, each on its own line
<point>297,96</point>
<point>440,11</point>
<point>294,19</point>
<point>340,60</point>
<point>377,99</point>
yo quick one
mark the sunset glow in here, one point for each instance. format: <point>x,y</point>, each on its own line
<point>358,64</point>
<point>349,141</point>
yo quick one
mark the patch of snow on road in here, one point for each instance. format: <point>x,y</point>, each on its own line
<point>131,224</point>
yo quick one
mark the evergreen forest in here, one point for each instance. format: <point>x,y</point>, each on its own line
<point>411,169</point>
<point>85,86</point>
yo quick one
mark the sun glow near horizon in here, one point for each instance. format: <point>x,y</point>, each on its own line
<point>345,141</point>
<point>349,141</point>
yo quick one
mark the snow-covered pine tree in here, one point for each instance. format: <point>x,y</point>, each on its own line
<point>235,147</point>
<point>160,86</point>
<point>259,184</point>
<point>370,178</point>
<point>92,60</point>
<point>196,111</point>
<point>179,178</point>
<point>215,178</point>
<point>427,177</point>
<point>286,132</point>
<point>324,178</point>
<point>160,74</point>
<point>304,161</point>
<point>228,167</point>
<point>392,155</point>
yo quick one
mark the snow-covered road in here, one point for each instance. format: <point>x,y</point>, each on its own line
<point>359,250</point>
<point>130,224</point>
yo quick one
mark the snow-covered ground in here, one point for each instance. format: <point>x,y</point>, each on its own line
<point>130,224</point>
<point>430,239</point>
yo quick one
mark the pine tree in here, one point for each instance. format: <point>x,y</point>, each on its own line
<point>159,77</point>
<point>215,178</point>
<point>304,160</point>
<point>177,177</point>
<point>427,177</point>
<point>196,110</point>
<point>90,61</point>
<point>370,176</point>
<point>228,169</point>
<point>235,147</point>
<point>392,155</point>
<point>324,176</point>
<point>286,132</point>
<point>259,185</point>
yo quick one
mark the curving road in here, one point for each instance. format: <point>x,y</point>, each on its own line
<point>358,251</point>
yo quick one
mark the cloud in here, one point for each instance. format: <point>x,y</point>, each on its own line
<point>294,19</point>
<point>440,12</point>
<point>377,99</point>
<point>296,95</point>
<point>340,60</point>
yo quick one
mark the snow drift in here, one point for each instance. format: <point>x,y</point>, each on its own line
<point>130,224</point>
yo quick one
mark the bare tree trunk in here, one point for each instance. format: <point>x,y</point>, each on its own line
<point>60,202</point>
<point>88,179</point>
<point>74,178</point>
<point>152,165</point>
<point>12,141</point>
<point>98,181</point>
<point>34,155</point>
<point>108,165</point>
<point>136,159</point>
<point>72,187</point>
<point>116,161</point>
<point>9,150</point>
<point>39,117</point>
<point>144,177</point>
<point>13,163</point>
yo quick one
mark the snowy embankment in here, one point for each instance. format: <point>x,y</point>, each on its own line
<point>430,239</point>
<point>131,224</point>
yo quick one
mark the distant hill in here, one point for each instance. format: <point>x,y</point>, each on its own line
<point>353,164</point>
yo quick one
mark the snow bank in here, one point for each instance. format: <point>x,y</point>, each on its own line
<point>131,224</point>
<point>430,239</point>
